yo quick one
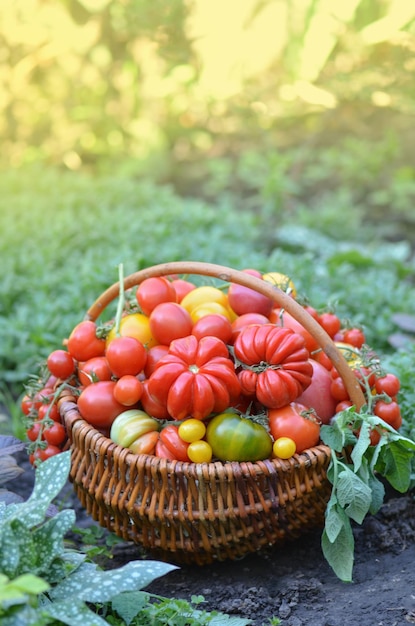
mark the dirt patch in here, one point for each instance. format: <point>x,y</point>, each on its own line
<point>294,582</point>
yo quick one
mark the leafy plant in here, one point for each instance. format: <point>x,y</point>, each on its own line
<point>43,582</point>
<point>354,472</point>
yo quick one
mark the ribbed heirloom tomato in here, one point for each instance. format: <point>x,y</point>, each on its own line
<point>275,366</point>
<point>195,379</point>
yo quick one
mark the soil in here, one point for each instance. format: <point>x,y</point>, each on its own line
<point>294,582</point>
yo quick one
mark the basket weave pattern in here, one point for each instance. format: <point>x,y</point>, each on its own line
<point>199,512</point>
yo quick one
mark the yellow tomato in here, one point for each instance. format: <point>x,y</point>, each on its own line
<point>192,430</point>
<point>350,353</point>
<point>281,281</point>
<point>199,452</point>
<point>135,325</point>
<point>201,295</point>
<point>283,448</point>
<point>207,308</point>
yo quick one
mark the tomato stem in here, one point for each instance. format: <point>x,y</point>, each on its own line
<point>121,300</point>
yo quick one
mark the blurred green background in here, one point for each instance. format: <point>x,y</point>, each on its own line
<point>269,133</point>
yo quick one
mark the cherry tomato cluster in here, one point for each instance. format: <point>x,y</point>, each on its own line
<point>195,373</point>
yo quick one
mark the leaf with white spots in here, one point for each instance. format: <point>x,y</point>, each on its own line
<point>74,613</point>
<point>93,585</point>
<point>48,539</point>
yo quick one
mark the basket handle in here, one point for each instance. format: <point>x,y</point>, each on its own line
<point>246,280</point>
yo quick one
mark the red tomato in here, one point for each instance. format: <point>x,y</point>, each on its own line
<point>126,355</point>
<point>388,384</point>
<point>317,395</point>
<point>290,421</point>
<point>322,358</point>
<point>389,412</point>
<point>83,343</point>
<point>170,321</point>
<point>97,404</point>
<point>26,404</point>
<point>154,291</point>
<point>169,436</point>
<point>154,355</point>
<point>279,317</point>
<point>152,406</point>
<point>49,410</point>
<point>354,336</point>
<point>33,432</point>
<point>182,288</point>
<point>196,378</point>
<point>338,389</point>
<point>330,322</point>
<point>93,370</point>
<point>41,454</point>
<point>128,390</point>
<point>245,300</point>
<point>279,369</point>
<point>55,434</point>
<point>245,320</point>
<point>60,364</point>
<point>213,325</point>
<point>163,452</point>
<point>343,405</point>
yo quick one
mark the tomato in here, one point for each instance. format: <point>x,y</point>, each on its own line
<point>203,295</point>
<point>60,364</point>
<point>152,406</point>
<point>153,291</point>
<point>49,410</point>
<point>182,288</point>
<point>213,325</point>
<point>154,355</point>
<point>55,434</point>
<point>128,428</point>
<point>170,321</point>
<point>83,343</point>
<point>195,378</point>
<point>275,364</point>
<point>318,395</point>
<point>93,370</point>
<point>354,336</point>
<point>192,430</point>
<point>245,300</point>
<point>281,281</point>
<point>330,322</point>
<point>389,412</point>
<point>169,436</point>
<point>210,308</point>
<point>42,454</point>
<point>322,358</point>
<point>200,452</point>
<point>128,390</point>
<point>126,355</point>
<point>279,317</point>
<point>162,451</point>
<point>97,404</point>
<point>33,432</point>
<point>26,404</point>
<point>294,421</point>
<point>343,405</point>
<point>235,438</point>
<point>338,389</point>
<point>388,384</point>
<point>246,320</point>
<point>350,353</point>
<point>134,325</point>
<point>284,448</point>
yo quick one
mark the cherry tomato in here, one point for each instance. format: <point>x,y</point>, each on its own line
<point>389,384</point>
<point>128,390</point>
<point>354,336</point>
<point>293,421</point>
<point>33,432</point>
<point>170,321</point>
<point>55,435</point>
<point>200,452</point>
<point>152,291</point>
<point>282,281</point>
<point>213,325</point>
<point>284,448</point>
<point>126,355</point>
<point>49,410</point>
<point>97,404</point>
<point>83,343</point>
<point>192,430</point>
<point>42,454</point>
<point>389,412</point>
<point>343,405</point>
<point>26,404</point>
<point>134,325</point>
<point>330,322</point>
<point>338,389</point>
<point>60,364</point>
<point>94,370</point>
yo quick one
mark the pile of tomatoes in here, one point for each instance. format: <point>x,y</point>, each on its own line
<point>201,373</point>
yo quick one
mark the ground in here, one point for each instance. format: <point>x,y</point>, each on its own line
<point>294,582</point>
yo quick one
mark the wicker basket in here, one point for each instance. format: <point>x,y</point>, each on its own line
<point>197,513</point>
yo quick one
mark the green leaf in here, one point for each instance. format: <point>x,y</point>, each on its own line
<point>394,463</point>
<point>353,495</point>
<point>340,553</point>
<point>378,494</point>
<point>74,612</point>
<point>92,585</point>
<point>334,519</point>
<point>129,604</point>
<point>362,444</point>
